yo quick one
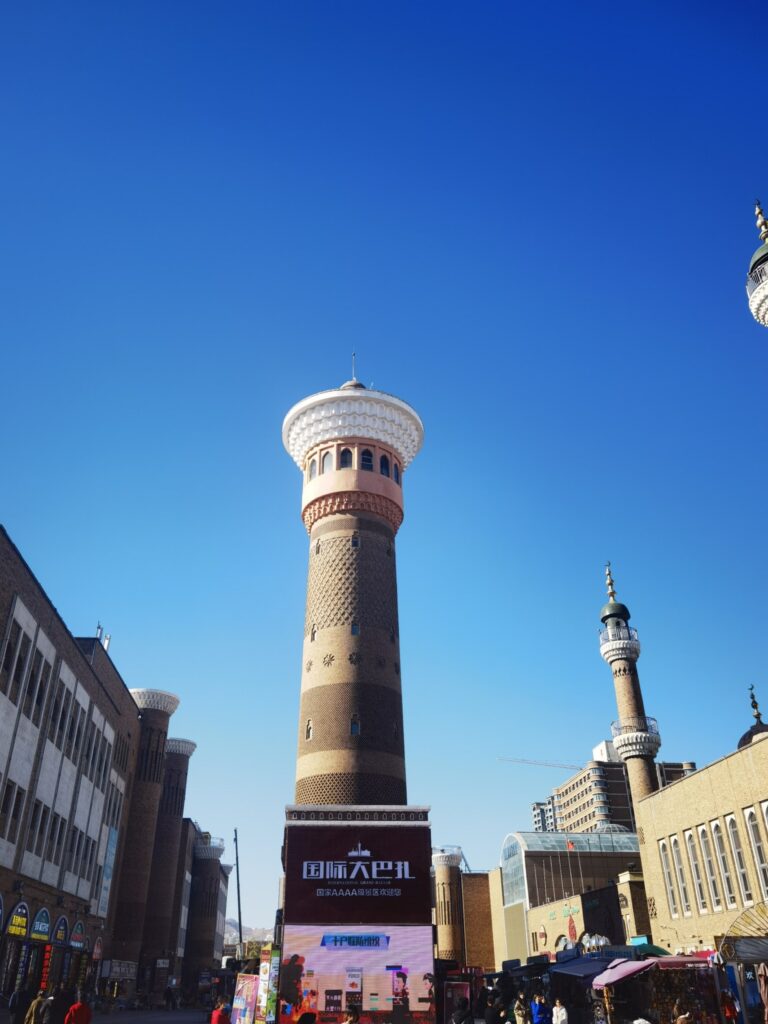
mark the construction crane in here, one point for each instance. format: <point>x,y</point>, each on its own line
<point>541,764</point>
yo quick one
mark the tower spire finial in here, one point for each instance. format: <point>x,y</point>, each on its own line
<point>755,708</point>
<point>609,585</point>
<point>354,374</point>
<point>761,223</point>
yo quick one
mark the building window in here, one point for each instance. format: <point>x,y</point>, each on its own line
<point>695,866</point>
<point>366,460</point>
<point>355,629</point>
<point>42,693</point>
<point>18,672</point>
<point>354,725</point>
<point>313,469</point>
<point>396,473</point>
<point>738,858</point>
<point>10,655</point>
<point>722,860</point>
<point>313,633</point>
<point>345,459</point>
<point>355,540</point>
<point>317,548</point>
<point>308,730</point>
<point>758,850</point>
<point>709,866</point>
<point>384,465</point>
<point>668,879</point>
<point>327,464</point>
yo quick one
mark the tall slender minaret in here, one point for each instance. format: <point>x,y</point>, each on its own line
<point>352,445</point>
<point>635,736</point>
<point>757,276</point>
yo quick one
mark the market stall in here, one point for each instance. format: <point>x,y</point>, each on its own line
<point>659,989</point>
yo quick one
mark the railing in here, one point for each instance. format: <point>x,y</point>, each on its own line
<point>610,633</point>
<point>757,277</point>
<point>628,725</point>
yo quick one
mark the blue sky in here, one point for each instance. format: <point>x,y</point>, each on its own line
<point>531,222</point>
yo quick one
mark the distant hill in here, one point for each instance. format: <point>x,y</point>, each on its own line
<point>253,934</point>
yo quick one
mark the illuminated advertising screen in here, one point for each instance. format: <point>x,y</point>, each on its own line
<point>383,970</point>
<point>352,874</point>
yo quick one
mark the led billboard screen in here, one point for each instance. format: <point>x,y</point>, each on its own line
<point>384,970</point>
<point>352,874</point>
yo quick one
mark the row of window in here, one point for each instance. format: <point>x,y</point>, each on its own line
<point>354,629</point>
<point>68,726</point>
<point>713,882</point>
<point>354,542</point>
<point>354,727</point>
<point>346,461</point>
<point>11,809</point>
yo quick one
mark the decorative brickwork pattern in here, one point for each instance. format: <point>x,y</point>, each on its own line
<point>350,788</point>
<point>331,709</point>
<point>351,502</point>
<point>349,585</point>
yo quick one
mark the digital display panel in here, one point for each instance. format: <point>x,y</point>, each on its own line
<point>386,971</point>
<point>358,873</point>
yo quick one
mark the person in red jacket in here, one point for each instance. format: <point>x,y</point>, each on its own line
<point>78,1013</point>
<point>221,1015</point>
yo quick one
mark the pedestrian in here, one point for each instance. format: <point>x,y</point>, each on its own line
<point>520,1009</point>
<point>56,1006</point>
<point>494,1012</point>
<point>18,1004</point>
<point>481,1002</point>
<point>462,1014</point>
<point>35,1011</point>
<point>220,1015</point>
<point>559,1013</point>
<point>78,1013</point>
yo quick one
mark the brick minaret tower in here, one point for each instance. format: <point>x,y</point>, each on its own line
<point>635,736</point>
<point>157,923</point>
<point>156,708</point>
<point>352,445</point>
<point>449,913</point>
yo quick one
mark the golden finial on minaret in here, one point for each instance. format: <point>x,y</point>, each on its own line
<point>609,582</point>
<point>762,223</point>
<point>755,709</point>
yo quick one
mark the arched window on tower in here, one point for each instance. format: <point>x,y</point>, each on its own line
<point>355,629</point>
<point>327,464</point>
<point>313,633</point>
<point>313,469</point>
<point>355,540</point>
<point>366,459</point>
<point>308,730</point>
<point>354,725</point>
<point>345,459</point>
<point>317,548</point>
<point>392,634</point>
<point>396,473</point>
<point>384,465</point>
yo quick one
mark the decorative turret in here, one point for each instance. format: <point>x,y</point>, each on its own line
<point>352,445</point>
<point>635,735</point>
<point>759,730</point>
<point>449,914</point>
<point>757,277</point>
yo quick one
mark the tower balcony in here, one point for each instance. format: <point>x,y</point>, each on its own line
<point>208,848</point>
<point>636,737</point>
<point>619,643</point>
<point>757,292</point>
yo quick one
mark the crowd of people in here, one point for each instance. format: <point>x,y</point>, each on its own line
<point>56,1007</point>
<point>491,1007</point>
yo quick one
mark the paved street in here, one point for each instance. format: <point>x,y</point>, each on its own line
<point>198,1016</point>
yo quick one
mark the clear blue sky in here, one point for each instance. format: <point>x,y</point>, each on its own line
<point>533,222</point>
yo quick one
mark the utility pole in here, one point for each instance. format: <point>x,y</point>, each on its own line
<point>239,912</point>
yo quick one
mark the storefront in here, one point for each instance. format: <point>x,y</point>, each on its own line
<point>14,965</point>
<point>662,986</point>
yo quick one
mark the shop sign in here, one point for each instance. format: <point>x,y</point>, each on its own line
<point>77,938</point>
<point>18,922</point>
<point>163,963</point>
<point>126,969</point>
<point>41,926</point>
<point>97,947</point>
<point>274,972</point>
<point>61,931</point>
<point>46,967</point>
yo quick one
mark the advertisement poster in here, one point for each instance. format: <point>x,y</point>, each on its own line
<point>385,970</point>
<point>274,976</point>
<point>109,867</point>
<point>265,958</point>
<point>244,1002</point>
<point>358,873</point>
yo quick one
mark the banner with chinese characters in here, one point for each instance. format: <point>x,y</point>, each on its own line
<point>350,874</point>
<point>387,976</point>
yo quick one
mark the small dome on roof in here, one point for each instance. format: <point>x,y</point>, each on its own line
<point>354,383</point>
<point>610,826</point>
<point>758,256</point>
<point>614,610</point>
<point>757,732</point>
